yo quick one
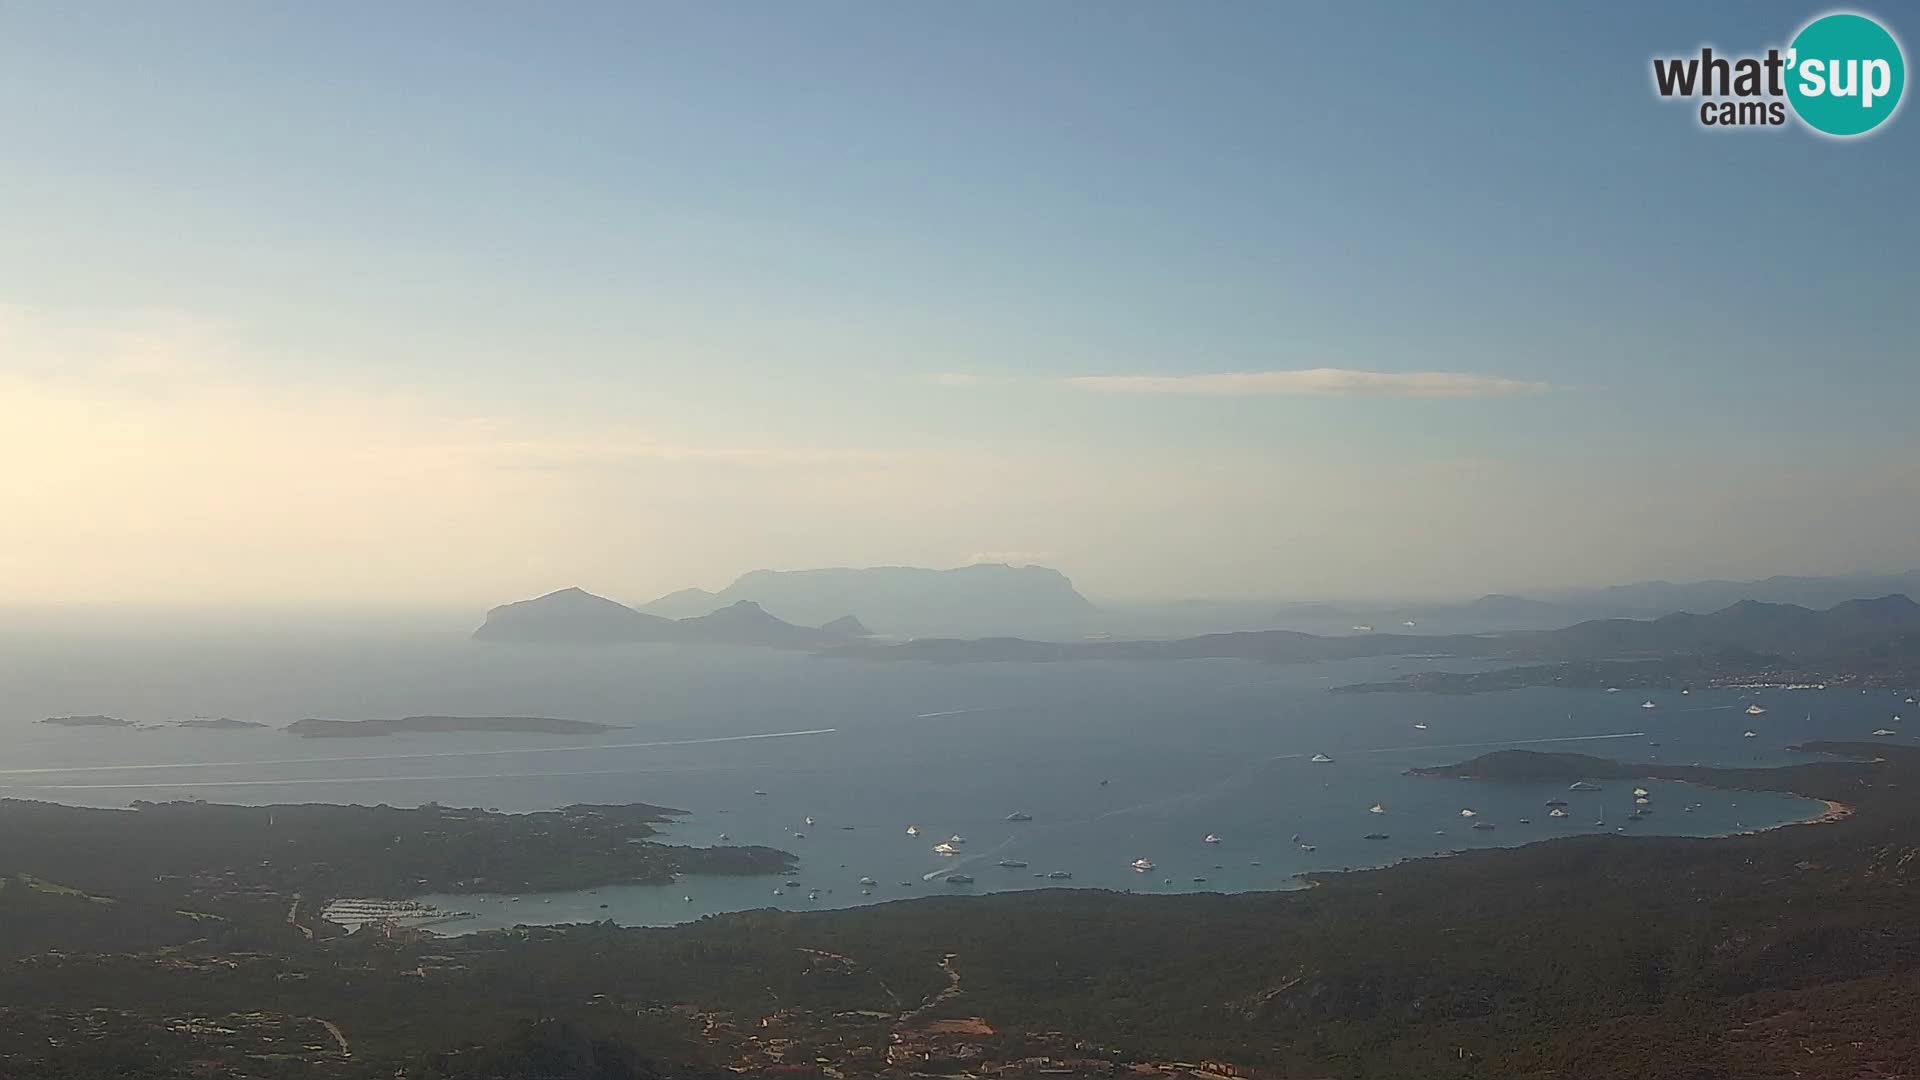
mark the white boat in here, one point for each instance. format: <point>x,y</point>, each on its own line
<point>1613,689</point>
<point>1641,793</point>
<point>913,830</point>
<point>1641,801</point>
<point>1884,731</point>
<point>1749,734</point>
<point>1320,759</point>
<point>1418,726</point>
<point>1556,812</point>
<point>869,882</point>
<point>724,838</point>
<point>1376,808</point>
<point>1210,839</point>
<point>956,838</point>
<point>1467,813</point>
<point>1648,705</point>
<point>945,849</point>
<point>1755,710</point>
<point>1142,865</point>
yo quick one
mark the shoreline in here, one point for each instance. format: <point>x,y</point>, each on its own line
<point>1835,811</point>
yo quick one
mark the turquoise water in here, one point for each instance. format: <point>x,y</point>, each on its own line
<point>1185,749</point>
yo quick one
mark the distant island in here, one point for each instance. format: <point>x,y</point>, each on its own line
<point>312,728</point>
<point>981,599</point>
<point>95,720</point>
<point>218,723</point>
<point>575,616</point>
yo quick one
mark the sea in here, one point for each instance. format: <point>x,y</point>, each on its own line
<point>1113,762</point>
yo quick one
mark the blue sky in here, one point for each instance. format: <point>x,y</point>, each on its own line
<point>761,230</point>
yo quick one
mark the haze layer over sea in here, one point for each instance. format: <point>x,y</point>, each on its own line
<point>1113,761</point>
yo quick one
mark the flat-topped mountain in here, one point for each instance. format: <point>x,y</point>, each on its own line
<point>983,599</point>
<point>575,616</point>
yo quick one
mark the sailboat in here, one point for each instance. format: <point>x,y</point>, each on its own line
<point>1556,812</point>
<point>1210,839</point>
<point>1749,734</point>
<point>913,830</point>
<point>1376,808</point>
<point>1648,705</point>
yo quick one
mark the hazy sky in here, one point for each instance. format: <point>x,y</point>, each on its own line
<point>446,304</point>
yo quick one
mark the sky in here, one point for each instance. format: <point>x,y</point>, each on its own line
<point>438,305</point>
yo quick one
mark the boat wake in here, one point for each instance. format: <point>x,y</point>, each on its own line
<point>961,712</point>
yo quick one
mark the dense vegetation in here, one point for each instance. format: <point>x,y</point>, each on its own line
<point>1790,952</point>
<point>170,872</point>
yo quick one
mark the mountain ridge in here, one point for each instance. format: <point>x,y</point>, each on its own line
<point>573,616</point>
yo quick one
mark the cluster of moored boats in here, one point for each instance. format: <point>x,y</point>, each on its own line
<point>1556,808</point>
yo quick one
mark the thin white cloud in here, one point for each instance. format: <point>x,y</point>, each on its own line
<point>1313,382</point>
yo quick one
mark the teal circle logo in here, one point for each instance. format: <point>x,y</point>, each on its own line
<point>1845,73</point>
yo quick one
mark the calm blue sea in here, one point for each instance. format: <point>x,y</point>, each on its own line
<point>1114,762</point>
